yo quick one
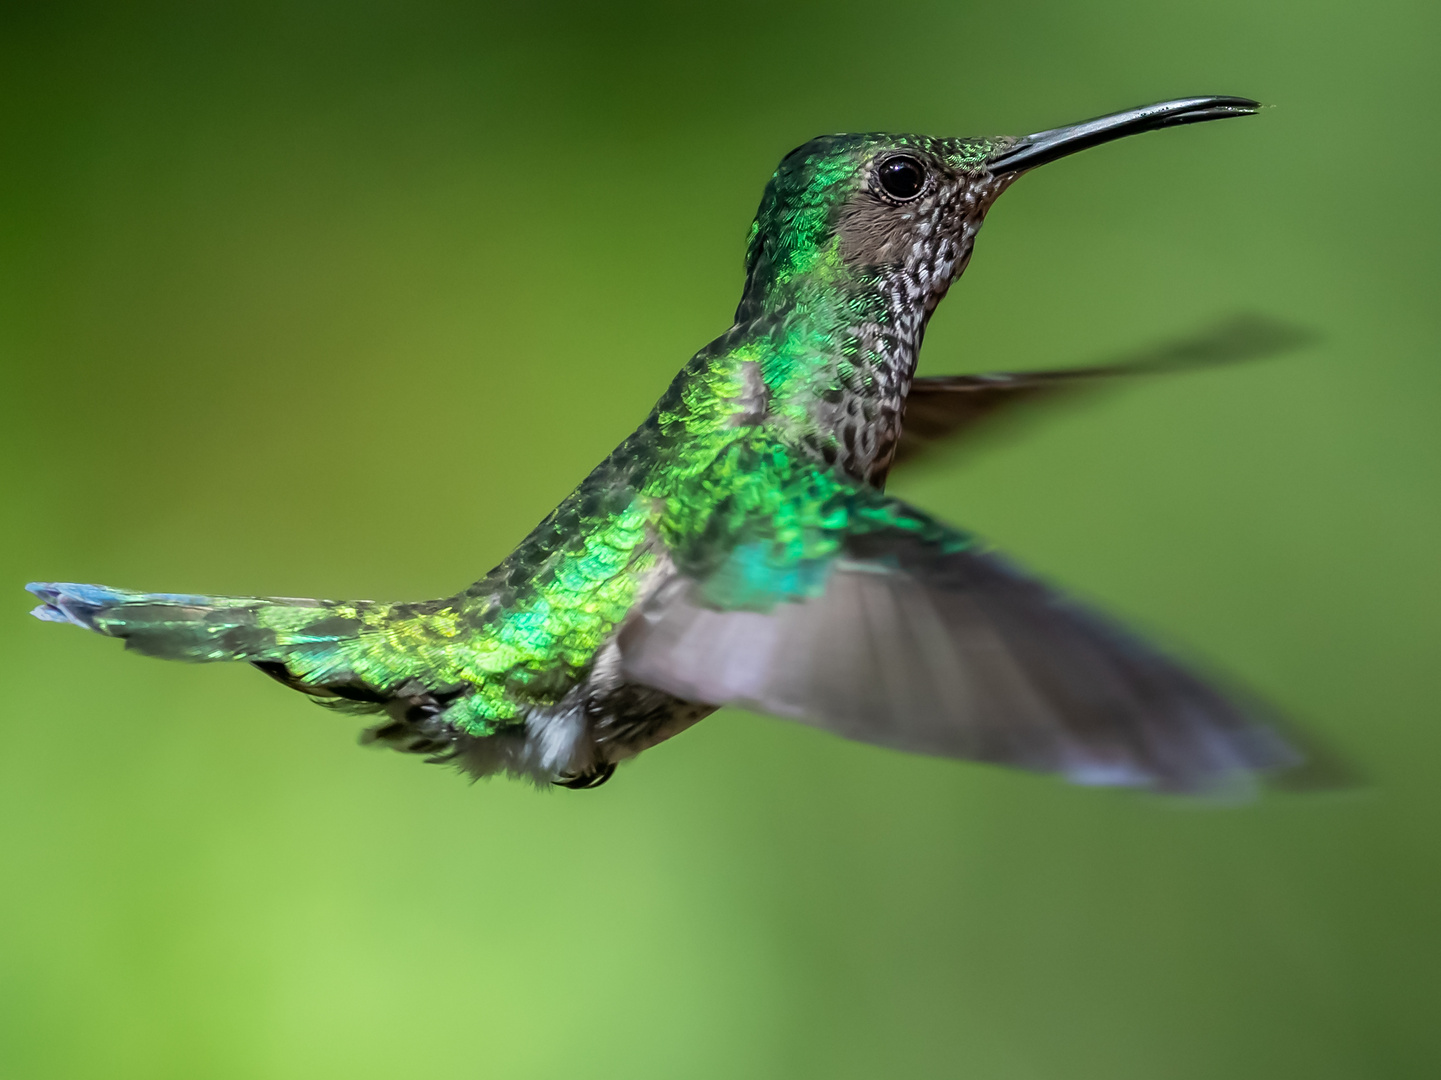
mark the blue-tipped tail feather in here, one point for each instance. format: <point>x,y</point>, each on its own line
<point>67,602</point>
<point>344,654</point>
<point>177,626</point>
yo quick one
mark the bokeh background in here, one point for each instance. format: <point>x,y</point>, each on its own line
<point>340,298</point>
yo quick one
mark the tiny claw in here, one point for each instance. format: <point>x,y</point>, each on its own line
<point>588,780</point>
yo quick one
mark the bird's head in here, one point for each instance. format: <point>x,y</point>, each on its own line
<point>902,211</point>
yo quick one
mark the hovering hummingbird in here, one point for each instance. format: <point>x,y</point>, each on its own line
<point>739,548</point>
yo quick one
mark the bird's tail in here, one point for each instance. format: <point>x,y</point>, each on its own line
<point>356,656</point>
<point>301,642</point>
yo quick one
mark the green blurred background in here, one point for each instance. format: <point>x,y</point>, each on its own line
<point>340,298</point>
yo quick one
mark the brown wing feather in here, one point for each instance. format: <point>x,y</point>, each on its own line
<point>946,407</point>
<point>965,658</point>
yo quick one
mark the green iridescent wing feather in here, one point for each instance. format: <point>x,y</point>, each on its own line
<point>810,597</point>
<point>763,523</point>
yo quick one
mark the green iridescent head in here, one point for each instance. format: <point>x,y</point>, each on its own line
<point>903,210</point>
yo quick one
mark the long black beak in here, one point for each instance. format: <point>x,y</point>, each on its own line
<point>1044,146</point>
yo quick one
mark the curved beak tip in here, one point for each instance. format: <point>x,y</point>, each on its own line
<point>1046,146</point>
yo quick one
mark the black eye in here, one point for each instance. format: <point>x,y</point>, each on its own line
<point>901,177</point>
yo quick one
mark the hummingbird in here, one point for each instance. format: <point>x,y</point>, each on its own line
<point>739,547</point>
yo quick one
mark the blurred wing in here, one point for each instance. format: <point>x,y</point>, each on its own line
<point>907,638</point>
<point>951,406</point>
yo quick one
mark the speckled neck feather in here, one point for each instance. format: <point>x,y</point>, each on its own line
<point>840,284</point>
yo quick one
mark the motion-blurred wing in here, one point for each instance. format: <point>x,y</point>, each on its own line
<point>949,407</point>
<point>908,637</point>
